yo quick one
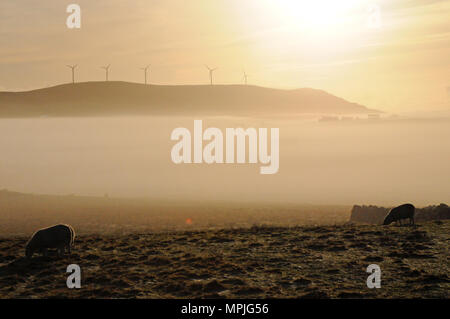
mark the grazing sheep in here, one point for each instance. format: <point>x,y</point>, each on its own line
<point>399,213</point>
<point>58,236</point>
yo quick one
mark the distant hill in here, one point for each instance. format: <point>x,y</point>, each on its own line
<point>124,98</point>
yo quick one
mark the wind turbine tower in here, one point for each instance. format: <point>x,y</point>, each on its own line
<point>145,73</point>
<point>73,71</point>
<point>210,74</point>
<point>245,78</point>
<point>106,68</point>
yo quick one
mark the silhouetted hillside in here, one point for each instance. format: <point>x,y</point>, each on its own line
<point>123,98</point>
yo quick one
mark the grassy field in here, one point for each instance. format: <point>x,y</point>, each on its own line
<point>277,262</point>
<point>22,214</point>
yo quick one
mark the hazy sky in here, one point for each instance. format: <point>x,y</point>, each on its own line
<point>401,65</point>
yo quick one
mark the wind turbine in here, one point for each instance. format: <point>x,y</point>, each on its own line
<point>73,71</point>
<point>106,68</point>
<point>210,73</point>
<point>245,78</point>
<point>145,72</point>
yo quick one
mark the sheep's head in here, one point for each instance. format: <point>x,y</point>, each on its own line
<point>388,220</point>
<point>29,251</point>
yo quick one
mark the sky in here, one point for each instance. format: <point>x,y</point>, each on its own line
<point>391,55</point>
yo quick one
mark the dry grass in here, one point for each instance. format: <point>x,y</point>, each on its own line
<point>278,262</point>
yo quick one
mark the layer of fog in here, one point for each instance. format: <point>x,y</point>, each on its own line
<point>325,163</point>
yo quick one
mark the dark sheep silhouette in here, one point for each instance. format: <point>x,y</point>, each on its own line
<point>405,211</point>
<point>58,236</point>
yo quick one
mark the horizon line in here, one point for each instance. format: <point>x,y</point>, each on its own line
<point>154,84</point>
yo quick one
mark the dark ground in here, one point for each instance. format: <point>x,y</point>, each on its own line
<point>276,262</point>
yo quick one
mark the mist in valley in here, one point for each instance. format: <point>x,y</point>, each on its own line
<point>344,162</point>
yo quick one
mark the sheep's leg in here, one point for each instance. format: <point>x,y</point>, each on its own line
<point>63,250</point>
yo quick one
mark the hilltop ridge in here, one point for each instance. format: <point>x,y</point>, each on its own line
<point>125,98</point>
